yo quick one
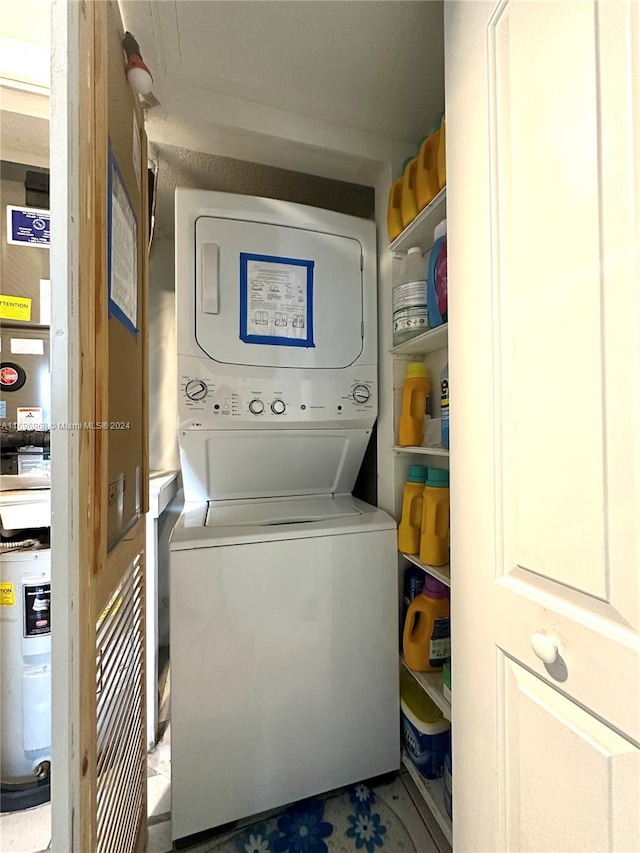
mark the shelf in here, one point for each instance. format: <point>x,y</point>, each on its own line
<point>431,683</point>
<point>430,341</point>
<point>441,573</point>
<point>425,451</point>
<point>432,791</point>
<point>420,231</point>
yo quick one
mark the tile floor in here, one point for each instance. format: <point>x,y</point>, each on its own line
<point>30,831</point>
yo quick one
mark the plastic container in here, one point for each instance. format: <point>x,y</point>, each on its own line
<point>440,230</point>
<point>426,735</point>
<point>433,304</point>
<point>394,210</point>
<point>426,641</point>
<point>446,680</point>
<point>410,316</point>
<point>427,185</point>
<point>448,784</point>
<point>413,585</point>
<point>434,539</point>
<point>411,519</point>
<point>408,201</point>
<point>442,156</point>
<point>415,394</point>
<point>444,406</point>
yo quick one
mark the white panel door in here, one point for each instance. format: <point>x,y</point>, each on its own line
<point>543,150</point>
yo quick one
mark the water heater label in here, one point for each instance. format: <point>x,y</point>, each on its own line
<point>7,595</point>
<point>276,300</point>
<point>37,609</point>
<point>15,308</point>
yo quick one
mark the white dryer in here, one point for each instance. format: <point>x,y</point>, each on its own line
<point>283,587</point>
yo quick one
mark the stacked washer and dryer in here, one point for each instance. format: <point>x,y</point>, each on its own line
<point>283,586</point>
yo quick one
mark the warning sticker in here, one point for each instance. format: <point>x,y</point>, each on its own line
<point>7,595</point>
<point>29,416</point>
<point>37,610</point>
<point>15,308</point>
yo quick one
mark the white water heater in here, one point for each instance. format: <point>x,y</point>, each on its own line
<point>25,662</point>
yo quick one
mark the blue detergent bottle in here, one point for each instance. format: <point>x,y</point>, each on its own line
<point>444,406</point>
<point>433,311</point>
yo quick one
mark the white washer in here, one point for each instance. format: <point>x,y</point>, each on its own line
<point>283,587</point>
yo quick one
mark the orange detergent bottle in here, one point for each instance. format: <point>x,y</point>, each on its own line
<point>434,539</point>
<point>442,155</point>
<point>408,203</point>
<point>427,175</point>
<point>426,640</point>
<point>411,521</point>
<point>394,211</point>
<point>415,393</point>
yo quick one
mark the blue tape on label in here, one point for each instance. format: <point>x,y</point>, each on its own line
<point>276,300</point>
<point>3,408</point>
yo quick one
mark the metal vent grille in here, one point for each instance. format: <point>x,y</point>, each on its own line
<point>121,759</point>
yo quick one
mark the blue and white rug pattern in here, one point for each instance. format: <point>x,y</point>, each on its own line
<point>357,820</point>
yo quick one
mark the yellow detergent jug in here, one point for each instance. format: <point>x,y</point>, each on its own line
<point>394,211</point>
<point>442,156</point>
<point>427,185</point>
<point>415,391</point>
<point>411,520</point>
<point>434,538</point>
<point>408,203</point>
<point>426,640</point>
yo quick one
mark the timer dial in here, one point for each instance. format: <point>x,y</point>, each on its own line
<point>361,394</point>
<point>196,389</point>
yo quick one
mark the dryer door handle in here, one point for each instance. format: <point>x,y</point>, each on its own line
<point>209,278</point>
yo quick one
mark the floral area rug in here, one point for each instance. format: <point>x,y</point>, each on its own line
<point>357,820</point>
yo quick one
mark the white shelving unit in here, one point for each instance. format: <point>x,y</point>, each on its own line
<point>432,345</point>
<point>432,791</point>
<point>431,683</point>
<point>442,573</point>
<point>420,231</point>
<point>429,341</point>
<point>423,451</point>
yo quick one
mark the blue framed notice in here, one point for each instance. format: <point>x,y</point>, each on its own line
<point>122,251</point>
<point>28,226</point>
<point>276,300</point>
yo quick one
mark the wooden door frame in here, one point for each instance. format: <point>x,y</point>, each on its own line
<point>83,574</point>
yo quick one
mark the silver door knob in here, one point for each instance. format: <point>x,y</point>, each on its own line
<point>545,647</point>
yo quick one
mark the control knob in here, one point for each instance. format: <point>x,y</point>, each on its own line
<point>361,394</point>
<point>256,407</point>
<point>278,407</point>
<point>196,389</point>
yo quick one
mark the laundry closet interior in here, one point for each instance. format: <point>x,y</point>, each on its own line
<point>329,88</point>
<point>307,176</point>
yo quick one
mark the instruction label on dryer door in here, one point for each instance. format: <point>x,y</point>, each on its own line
<point>276,300</point>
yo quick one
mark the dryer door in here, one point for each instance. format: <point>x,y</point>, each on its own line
<point>277,296</point>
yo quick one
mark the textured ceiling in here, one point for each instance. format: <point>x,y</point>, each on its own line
<point>375,66</point>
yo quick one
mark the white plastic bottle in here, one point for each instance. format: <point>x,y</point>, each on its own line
<point>410,316</point>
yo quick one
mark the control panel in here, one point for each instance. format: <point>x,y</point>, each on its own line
<point>218,401</point>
